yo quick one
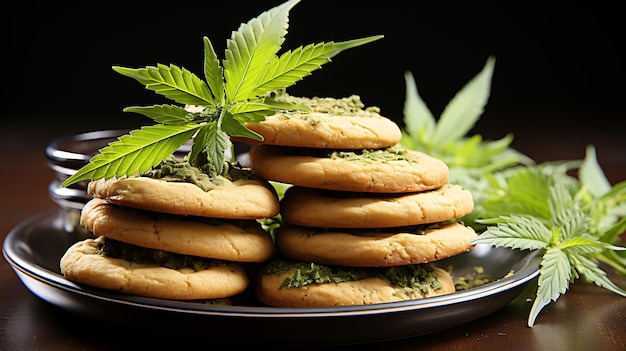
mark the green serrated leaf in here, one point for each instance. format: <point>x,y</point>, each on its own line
<point>250,111</point>
<point>162,114</point>
<point>554,278</point>
<point>216,145</point>
<point>234,128</point>
<point>594,274</point>
<point>134,152</point>
<point>213,72</point>
<point>470,158</point>
<point>251,47</point>
<point>256,110</point>
<point>517,232</point>
<point>565,213</point>
<point>173,82</point>
<point>213,142</point>
<point>418,119</point>
<point>523,190</point>
<point>591,175</point>
<point>338,47</point>
<point>200,141</point>
<point>584,245</point>
<point>293,66</point>
<point>466,107</point>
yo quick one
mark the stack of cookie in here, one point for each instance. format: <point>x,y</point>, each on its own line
<point>166,236</point>
<point>363,219</point>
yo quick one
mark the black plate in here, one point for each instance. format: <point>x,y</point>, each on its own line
<point>34,248</point>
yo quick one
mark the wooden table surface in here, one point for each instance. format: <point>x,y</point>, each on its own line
<point>585,318</point>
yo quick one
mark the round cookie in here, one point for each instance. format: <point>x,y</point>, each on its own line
<point>369,248</point>
<point>239,199</point>
<point>391,170</point>
<point>81,263</point>
<point>331,209</point>
<point>323,130</point>
<point>344,123</point>
<point>369,290</point>
<point>242,241</point>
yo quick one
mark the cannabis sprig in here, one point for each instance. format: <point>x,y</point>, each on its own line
<point>235,91</point>
<point>568,219</point>
<point>575,222</point>
<point>469,157</point>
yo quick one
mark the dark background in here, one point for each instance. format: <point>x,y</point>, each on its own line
<point>559,66</point>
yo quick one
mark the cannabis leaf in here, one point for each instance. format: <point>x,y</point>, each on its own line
<point>139,150</point>
<point>607,208</point>
<point>235,91</point>
<point>555,214</point>
<point>469,158</point>
<point>441,137</point>
<point>575,222</point>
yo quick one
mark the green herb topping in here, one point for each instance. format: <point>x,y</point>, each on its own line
<point>138,254</point>
<point>477,277</point>
<point>376,156</point>
<point>409,277</point>
<point>348,106</point>
<point>173,169</point>
<point>363,155</point>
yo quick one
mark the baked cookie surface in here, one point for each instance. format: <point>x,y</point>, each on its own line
<point>388,170</point>
<point>239,199</point>
<point>323,130</point>
<point>81,263</point>
<point>325,122</point>
<point>370,290</point>
<point>240,241</point>
<point>330,209</point>
<point>384,248</point>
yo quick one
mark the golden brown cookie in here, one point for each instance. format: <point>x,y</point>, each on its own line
<point>331,209</point>
<point>323,130</point>
<point>368,290</point>
<point>369,248</point>
<point>391,170</point>
<point>239,199</point>
<point>241,241</point>
<point>82,264</point>
<point>328,123</point>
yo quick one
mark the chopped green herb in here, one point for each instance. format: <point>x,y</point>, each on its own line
<point>307,273</point>
<point>349,106</point>
<point>176,170</point>
<point>476,278</point>
<point>138,254</point>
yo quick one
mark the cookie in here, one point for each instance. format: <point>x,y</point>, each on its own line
<point>329,123</point>
<point>82,264</point>
<point>391,170</point>
<point>333,209</point>
<point>273,288</point>
<point>374,248</point>
<point>241,241</point>
<point>239,199</point>
<point>322,130</point>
